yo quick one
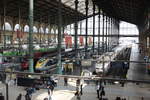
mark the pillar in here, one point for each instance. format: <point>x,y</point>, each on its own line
<point>31,35</point>
<point>93,27</point>
<point>80,27</point>
<point>118,30</point>
<point>86,28</point>
<point>149,28</point>
<point>110,33</point>
<point>76,29</point>
<point>106,34</point>
<point>40,33</point>
<point>49,27</point>
<point>99,31</point>
<point>103,33</point>
<point>4,33</point>
<point>19,14</point>
<point>59,37</point>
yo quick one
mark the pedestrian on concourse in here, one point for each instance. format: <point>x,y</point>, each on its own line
<point>118,98</point>
<point>102,93</point>
<point>98,90</point>
<point>51,89</point>
<point>65,81</point>
<point>81,92</point>
<point>19,97</point>
<point>49,94</point>
<point>27,97</point>
<point>1,96</point>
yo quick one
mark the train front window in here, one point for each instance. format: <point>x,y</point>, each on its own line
<point>49,63</point>
<point>41,60</point>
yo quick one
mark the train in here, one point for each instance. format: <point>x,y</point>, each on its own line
<point>39,57</point>
<point>105,61</point>
<point>45,63</point>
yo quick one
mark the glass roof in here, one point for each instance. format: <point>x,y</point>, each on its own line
<point>81,6</point>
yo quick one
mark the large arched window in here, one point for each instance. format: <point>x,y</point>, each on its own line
<point>41,30</point>
<point>26,28</point>
<point>17,27</point>
<point>7,26</point>
<point>128,29</point>
<point>47,31</point>
<point>35,30</point>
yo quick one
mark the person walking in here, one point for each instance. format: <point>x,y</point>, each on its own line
<point>102,93</point>
<point>49,94</point>
<point>51,89</point>
<point>27,97</point>
<point>29,93</point>
<point>81,87</point>
<point>65,81</point>
<point>98,90</point>
<point>1,96</point>
<point>19,97</point>
<point>118,98</point>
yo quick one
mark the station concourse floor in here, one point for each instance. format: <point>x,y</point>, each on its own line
<point>130,91</point>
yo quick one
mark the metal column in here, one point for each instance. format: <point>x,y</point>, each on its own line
<point>93,27</point>
<point>103,33</point>
<point>111,32</point>
<point>99,31</point>
<point>48,34</point>
<point>80,27</point>
<point>149,26</point>
<point>56,26</point>
<point>76,29</point>
<point>40,33</point>
<point>19,31</point>
<point>4,35</point>
<point>31,35</point>
<point>103,44</point>
<point>86,28</point>
<point>59,37</point>
<point>106,34</point>
<point>118,30</point>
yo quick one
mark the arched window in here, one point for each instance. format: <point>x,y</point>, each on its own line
<point>127,28</point>
<point>17,27</point>
<point>41,30</point>
<point>47,31</point>
<point>26,28</point>
<point>56,31</point>
<point>52,31</point>
<point>35,30</point>
<point>7,27</point>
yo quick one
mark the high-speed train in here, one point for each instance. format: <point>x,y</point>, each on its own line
<point>45,64</point>
<point>103,63</point>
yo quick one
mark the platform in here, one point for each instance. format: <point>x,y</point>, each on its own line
<point>131,91</point>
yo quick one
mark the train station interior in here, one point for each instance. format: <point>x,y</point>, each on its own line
<point>75,50</point>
